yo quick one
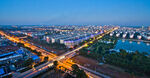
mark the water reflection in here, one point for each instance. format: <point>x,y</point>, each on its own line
<point>123,40</point>
<point>138,42</point>
<point>130,41</point>
<point>147,44</point>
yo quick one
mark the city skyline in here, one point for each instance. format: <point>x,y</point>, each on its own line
<point>125,12</point>
<point>74,38</point>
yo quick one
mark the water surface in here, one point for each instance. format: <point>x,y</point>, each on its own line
<point>133,46</point>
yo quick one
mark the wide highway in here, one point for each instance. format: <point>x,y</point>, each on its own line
<point>32,72</point>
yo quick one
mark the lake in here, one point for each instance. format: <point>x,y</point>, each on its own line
<point>133,46</point>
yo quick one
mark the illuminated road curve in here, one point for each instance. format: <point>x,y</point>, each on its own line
<point>70,54</point>
<point>31,73</point>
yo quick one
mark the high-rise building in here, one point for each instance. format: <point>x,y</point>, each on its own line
<point>149,28</point>
<point>142,27</point>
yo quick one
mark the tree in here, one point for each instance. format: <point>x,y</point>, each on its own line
<point>75,69</point>
<point>38,53</point>
<point>122,50</point>
<point>70,49</point>
<point>28,62</point>
<point>78,72</point>
<point>75,46</point>
<point>45,58</point>
<point>67,75</point>
<point>20,44</point>
<point>55,63</point>
<point>81,74</point>
<point>134,62</point>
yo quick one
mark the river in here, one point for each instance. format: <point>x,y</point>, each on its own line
<point>132,46</point>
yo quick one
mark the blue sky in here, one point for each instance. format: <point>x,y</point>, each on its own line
<point>118,12</point>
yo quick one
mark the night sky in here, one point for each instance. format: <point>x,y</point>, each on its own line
<point>117,12</point>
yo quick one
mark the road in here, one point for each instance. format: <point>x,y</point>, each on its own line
<point>92,71</point>
<point>33,72</point>
<point>53,57</point>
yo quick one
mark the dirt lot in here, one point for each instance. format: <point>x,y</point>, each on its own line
<point>51,74</point>
<point>110,70</point>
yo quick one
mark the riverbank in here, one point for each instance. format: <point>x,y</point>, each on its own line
<point>135,63</point>
<point>137,40</point>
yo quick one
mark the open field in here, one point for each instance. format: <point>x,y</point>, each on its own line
<point>110,70</point>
